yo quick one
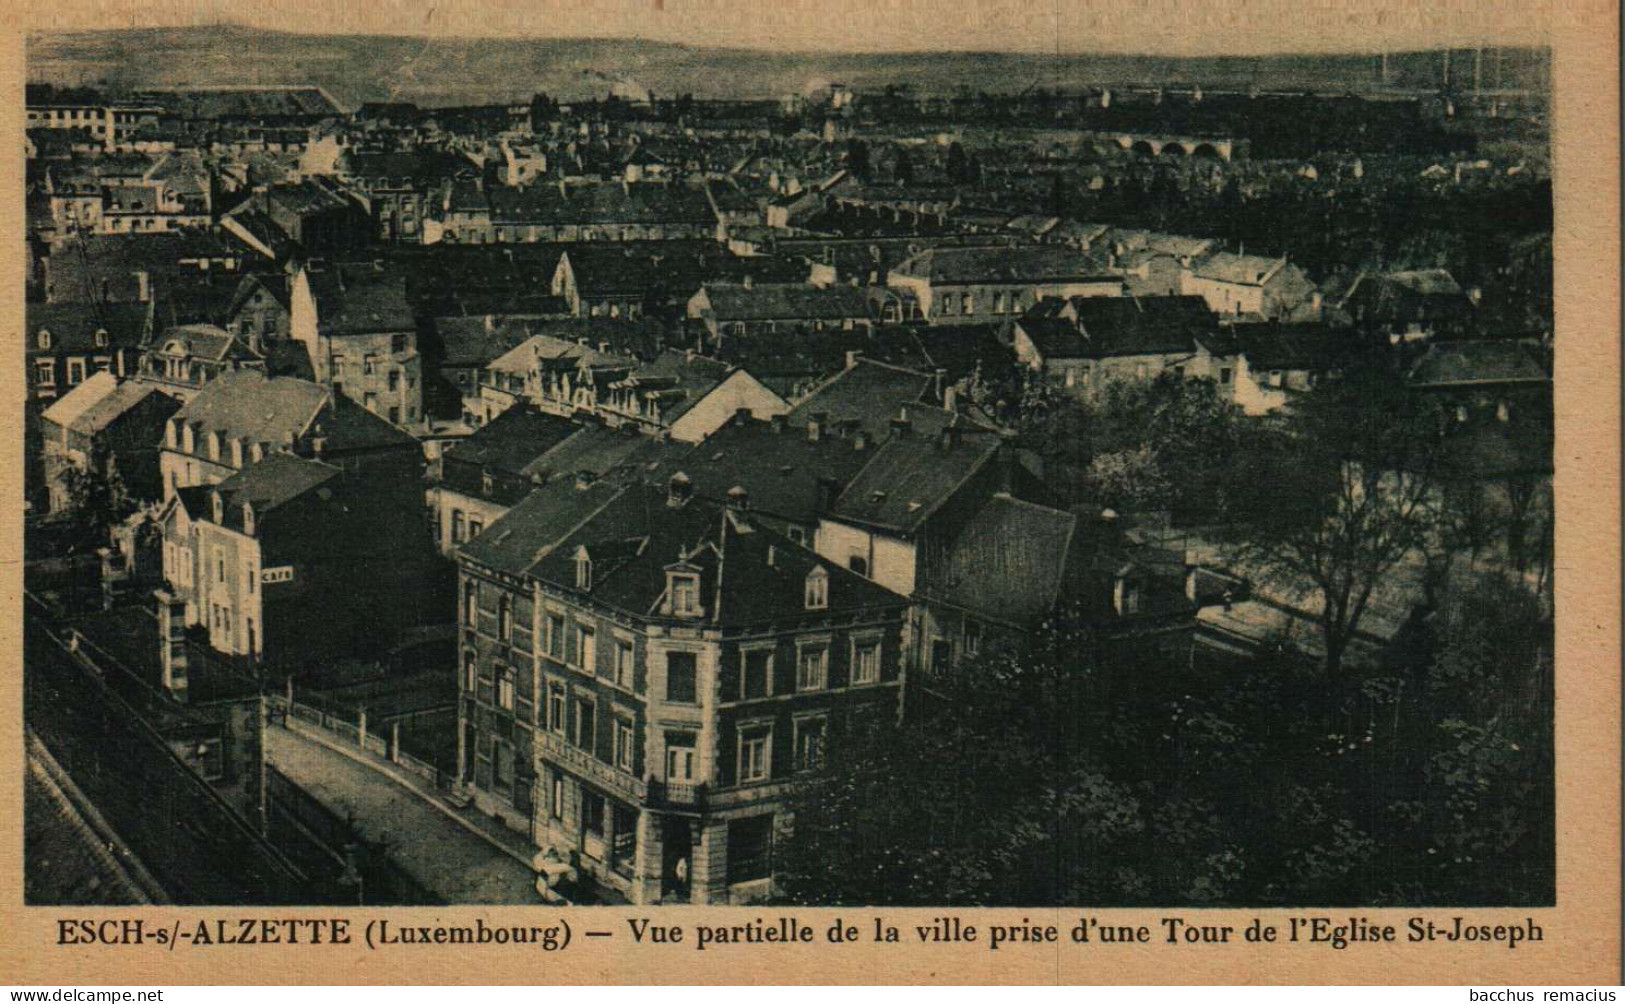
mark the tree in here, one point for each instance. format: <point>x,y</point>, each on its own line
<point>97,497</point>
<point>1344,496</point>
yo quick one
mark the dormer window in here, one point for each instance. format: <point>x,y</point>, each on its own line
<point>485,483</point>
<point>248,519</point>
<point>44,339</point>
<point>583,570</point>
<point>219,507</point>
<point>817,592</point>
<point>685,594</point>
<point>1128,595</point>
<point>101,339</point>
<point>214,446</point>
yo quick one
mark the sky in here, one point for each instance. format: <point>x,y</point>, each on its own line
<point>1164,27</point>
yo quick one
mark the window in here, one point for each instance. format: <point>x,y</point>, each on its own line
<point>219,564</point>
<point>682,684</point>
<point>474,527</point>
<point>623,664</point>
<point>459,527</point>
<point>503,754</point>
<point>45,371</point>
<point>555,636</point>
<point>680,757</point>
<point>1141,371</point>
<point>592,813</point>
<point>469,663</point>
<point>967,304</point>
<point>555,706</point>
<point>369,364</point>
<point>555,806</point>
<point>1225,374</point>
<point>812,666</point>
<point>252,576</point>
<point>583,570</point>
<point>586,648</point>
<point>505,687</point>
<point>755,753</point>
<point>859,564</point>
<point>586,723</point>
<point>76,371</point>
<point>866,661</point>
<point>623,744</point>
<point>810,739</point>
<point>685,595</point>
<point>44,339</point>
<point>394,381</point>
<point>798,534</point>
<point>817,589</point>
<point>973,637</point>
<point>505,617</point>
<point>471,605</point>
<point>998,303</point>
<point>750,849</point>
<point>756,674</point>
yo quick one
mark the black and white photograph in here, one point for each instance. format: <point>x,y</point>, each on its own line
<point>558,466</point>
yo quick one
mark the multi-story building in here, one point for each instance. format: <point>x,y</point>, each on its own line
<point>643,673</point>
<point>182,360</point>
<point>291,542</point>
<point>70,342</point>
<point>111,424</point>
<point>244,416</point>
<point>361,336</point>
<point>956,284</point>
<point>1088,343</point>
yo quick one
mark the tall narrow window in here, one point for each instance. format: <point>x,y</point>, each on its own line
<point>682,686</point>
<point>866,662</point>
<point>505,618</point>
<point>755,753</point>
<point>623,744</point>
<point>680,757</point>
<point>812,667</point>
<point>817,592</point>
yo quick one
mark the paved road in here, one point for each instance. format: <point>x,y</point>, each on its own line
<point>441,853</point>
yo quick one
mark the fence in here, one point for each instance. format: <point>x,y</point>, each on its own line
<point>384,746</point>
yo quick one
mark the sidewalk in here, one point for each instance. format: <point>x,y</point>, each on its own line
<point>448,855</point>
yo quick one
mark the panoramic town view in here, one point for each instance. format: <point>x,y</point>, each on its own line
<point>612,473</point>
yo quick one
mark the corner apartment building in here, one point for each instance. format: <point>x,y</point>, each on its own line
<point>644,672</point>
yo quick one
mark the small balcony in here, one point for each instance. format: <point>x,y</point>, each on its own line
<point>674,795</point>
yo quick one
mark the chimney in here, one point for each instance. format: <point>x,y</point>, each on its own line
<point>949,438</point>
<point>143,285</point>
<point>772,555</point>
<point>317,445</point>
<point>679,490</point>
<point>777,422</point>
<point>900,425</point>
<point>852,357</point>
<point>1190,583</point>
<point>738,498</point>
<point>748,280</point>
<point>860,440</point>
<point>585,479</point>
<point>490,323</point>
<point>815,427</point>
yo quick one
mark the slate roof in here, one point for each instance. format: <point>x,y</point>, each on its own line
<point>961,265</point>
<point>749,574</point>
<point>73,405</point>
<point>513,440</point>
<point>636,268</point>
<point>870,395</point>
<point>73,326</point>
<point>278,479</point>
<point>352,301</point>
<point>910,477</point>
<point>600,203</point>
<point>1447,364</point>
<point>257,408</point>
<point>1096,327</point>
<point>1312,347</point>
<point>1238,269</point>
<point>517,540</point>
<point>1010,562</point>
<point>776,301</point>
<point>200,341</point>
<point>776,464</point>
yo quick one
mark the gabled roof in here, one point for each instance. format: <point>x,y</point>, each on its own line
<point>254,407</point>
<point>543,351</point>
<point>73,326</point>
<point>517,540</point>
<point>278,479</point>
<point>201,341</point>
<point>1010,561</point>
<point>1311,347</point>
<point>910,477</point>
<point>1097,327</point>
<point>69,408</point>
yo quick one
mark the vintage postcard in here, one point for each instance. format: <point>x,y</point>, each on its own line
<point>679,491</point>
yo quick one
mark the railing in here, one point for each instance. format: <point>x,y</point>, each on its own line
<point>371,742</point>
<point>590,768</point>
<point>677,795</point>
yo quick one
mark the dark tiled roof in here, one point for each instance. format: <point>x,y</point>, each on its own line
<point>786,301</point>
<point>355,301</point>
<point>274,481</point>
<point>1453,363</point>
<point>1313,347</point>
<point>1010,561</point>
<point>956,266</point>
<point>910,477</point>
<point>516,541</point>
<point>513,440</point>
<point>869,395</point>
<point>73,326</point>
<point>781,470</point>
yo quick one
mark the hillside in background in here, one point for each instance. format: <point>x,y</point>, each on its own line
<point>430,72</point>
